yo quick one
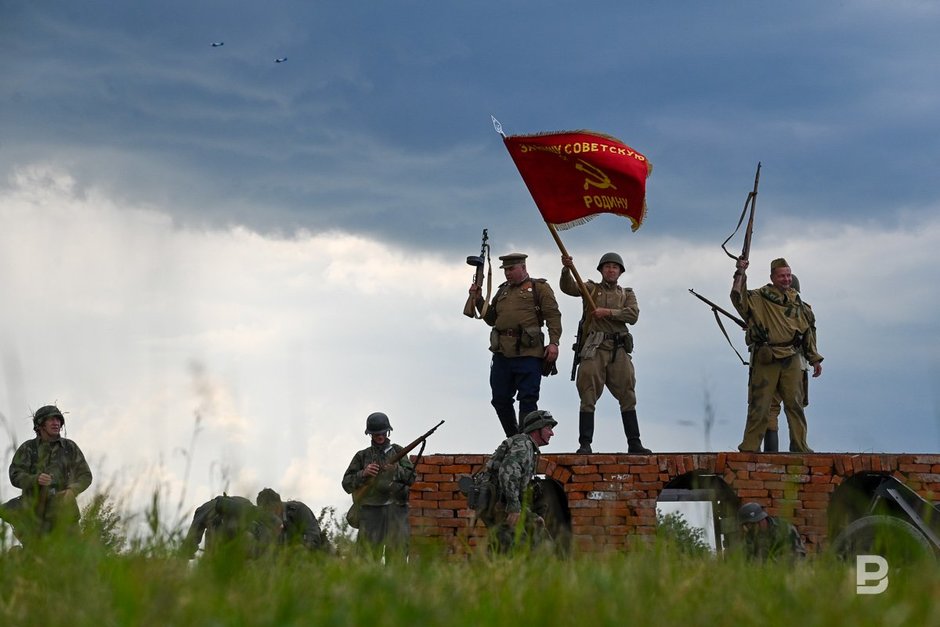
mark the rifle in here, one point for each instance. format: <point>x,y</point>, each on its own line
<point>470,308</point>
<point>716,310</point>
<point>352,516</point>
<point>576,347</point>
<point>749,230</point>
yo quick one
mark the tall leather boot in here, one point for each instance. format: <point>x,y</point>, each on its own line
<point>585,432</point>
<point>632,430</point>
<point>507,418</point>
<point>771,442</point>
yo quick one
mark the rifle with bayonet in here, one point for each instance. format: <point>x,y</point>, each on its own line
<point>470,307</point>
<point>352,516</point>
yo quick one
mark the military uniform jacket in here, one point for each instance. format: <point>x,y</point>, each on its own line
<point>301,526</point>
<point>512,466</point>
<point>389,486</point>
<point>620,300</point>
<point>514,317</point>
<point>60,458</point>
<point>777,319</point>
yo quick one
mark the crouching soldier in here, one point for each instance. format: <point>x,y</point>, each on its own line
<point>299,526</point>
<point>507,477</point>
<point>51,471</point>
<point>233,525</point>
<point>768,538</point>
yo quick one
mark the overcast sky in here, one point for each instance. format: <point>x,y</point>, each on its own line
<point>220,265</point>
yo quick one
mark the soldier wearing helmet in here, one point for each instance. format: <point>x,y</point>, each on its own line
<point>383,520</point>
<point>51,471</point>
<point>521,356</point>
<point>510,470</point>
<point>781,332</point>
<point>604,348</point>
<point>767,537</point>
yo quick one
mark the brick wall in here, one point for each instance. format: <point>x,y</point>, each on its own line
<point>612,497</point>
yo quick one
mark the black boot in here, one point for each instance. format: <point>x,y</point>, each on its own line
<point>585,432</point>
<point>507,418</point>
<point>771,443</point>
<point>632,429</point>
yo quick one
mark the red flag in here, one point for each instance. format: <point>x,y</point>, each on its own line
<point>573,176</point>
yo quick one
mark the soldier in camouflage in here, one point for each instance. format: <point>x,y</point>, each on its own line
<point>509,471</point>
<point>605,348</point>
<point>768,538</point>
<point>780,328</point>
<point>520,355</point>
<point>299,526</point>
<point>384,506</point>
<point>51,471</point>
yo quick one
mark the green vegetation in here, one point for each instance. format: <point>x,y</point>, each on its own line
<point>102,582</point>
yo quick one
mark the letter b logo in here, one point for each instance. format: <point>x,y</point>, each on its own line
<point>863,575</point>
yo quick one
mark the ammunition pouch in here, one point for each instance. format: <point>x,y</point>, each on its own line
<point>480,492</point>
<point>494,340</point>
<point>763,354</point>
<point>621,340</point>
<point>531,337</point>
<point>354,515</point>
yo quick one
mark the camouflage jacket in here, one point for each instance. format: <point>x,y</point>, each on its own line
<point>227,519</point>
<point>517,308</point>
<point>60,458</point>
<point>512,466</point>
<point>389,486</point>
<point>780,540</point>
<point>777,319</point>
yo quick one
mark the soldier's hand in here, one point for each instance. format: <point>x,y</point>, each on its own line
<point>512,519</point>
<point>817,369</point>
<point>602,312</point>
<point>567,261</point>
<point>371,470</point>
<point>551,353</point>
<point>44,479</point>
<point>475,289</point>
<point>539,521</point>
<point>742,264</point>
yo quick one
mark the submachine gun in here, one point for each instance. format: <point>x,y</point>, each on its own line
<point>478,261</point>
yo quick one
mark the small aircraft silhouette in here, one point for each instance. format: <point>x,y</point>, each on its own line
<point>216,44</point>
<point>280,60</point>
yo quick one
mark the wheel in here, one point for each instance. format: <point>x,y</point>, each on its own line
<point>895,539</point>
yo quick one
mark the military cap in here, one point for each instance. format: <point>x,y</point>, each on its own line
<point>751,513</point>
<point>778,263</point>
<point>512,259</point>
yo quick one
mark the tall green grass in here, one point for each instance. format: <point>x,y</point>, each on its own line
<point>84,583</point>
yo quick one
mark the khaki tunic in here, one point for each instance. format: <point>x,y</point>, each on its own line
<point>516,326</point>
<point>781,332</point>
<point>601,365</point>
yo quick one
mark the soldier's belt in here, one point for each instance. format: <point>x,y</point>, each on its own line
<point>510,333</point>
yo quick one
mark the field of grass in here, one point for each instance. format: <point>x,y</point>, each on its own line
<point>84,584</point>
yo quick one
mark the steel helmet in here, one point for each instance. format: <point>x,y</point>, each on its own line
<point>611,258</point>
<point>751,513</point>
<point>537,419</point>
<point>44,413</point>
<point>377,423</point>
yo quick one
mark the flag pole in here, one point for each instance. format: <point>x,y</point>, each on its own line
<point>577,277</point>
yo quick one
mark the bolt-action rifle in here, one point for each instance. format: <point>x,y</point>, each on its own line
<point>576,347</point>
<point>749,203</point>
<point>352,516</point>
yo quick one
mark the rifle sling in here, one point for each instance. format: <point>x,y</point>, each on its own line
<point>725,333</point>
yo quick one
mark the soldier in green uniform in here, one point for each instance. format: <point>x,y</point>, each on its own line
<point>299,526</point>
<point>605,349</point>
<point>771,439</point>
<point>51,471</point>
<point>768,538</point>
<point>520,354</point>
<point>383,514</point>
<point>508,473</point>
<point>780,327</point>
<point>232,525</point>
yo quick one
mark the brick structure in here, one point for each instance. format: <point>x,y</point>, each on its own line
<point>612,497</point>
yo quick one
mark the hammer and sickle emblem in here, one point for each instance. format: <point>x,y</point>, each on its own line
<point>594,176</point>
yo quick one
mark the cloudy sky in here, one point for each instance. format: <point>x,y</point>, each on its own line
<point>219,264</point>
